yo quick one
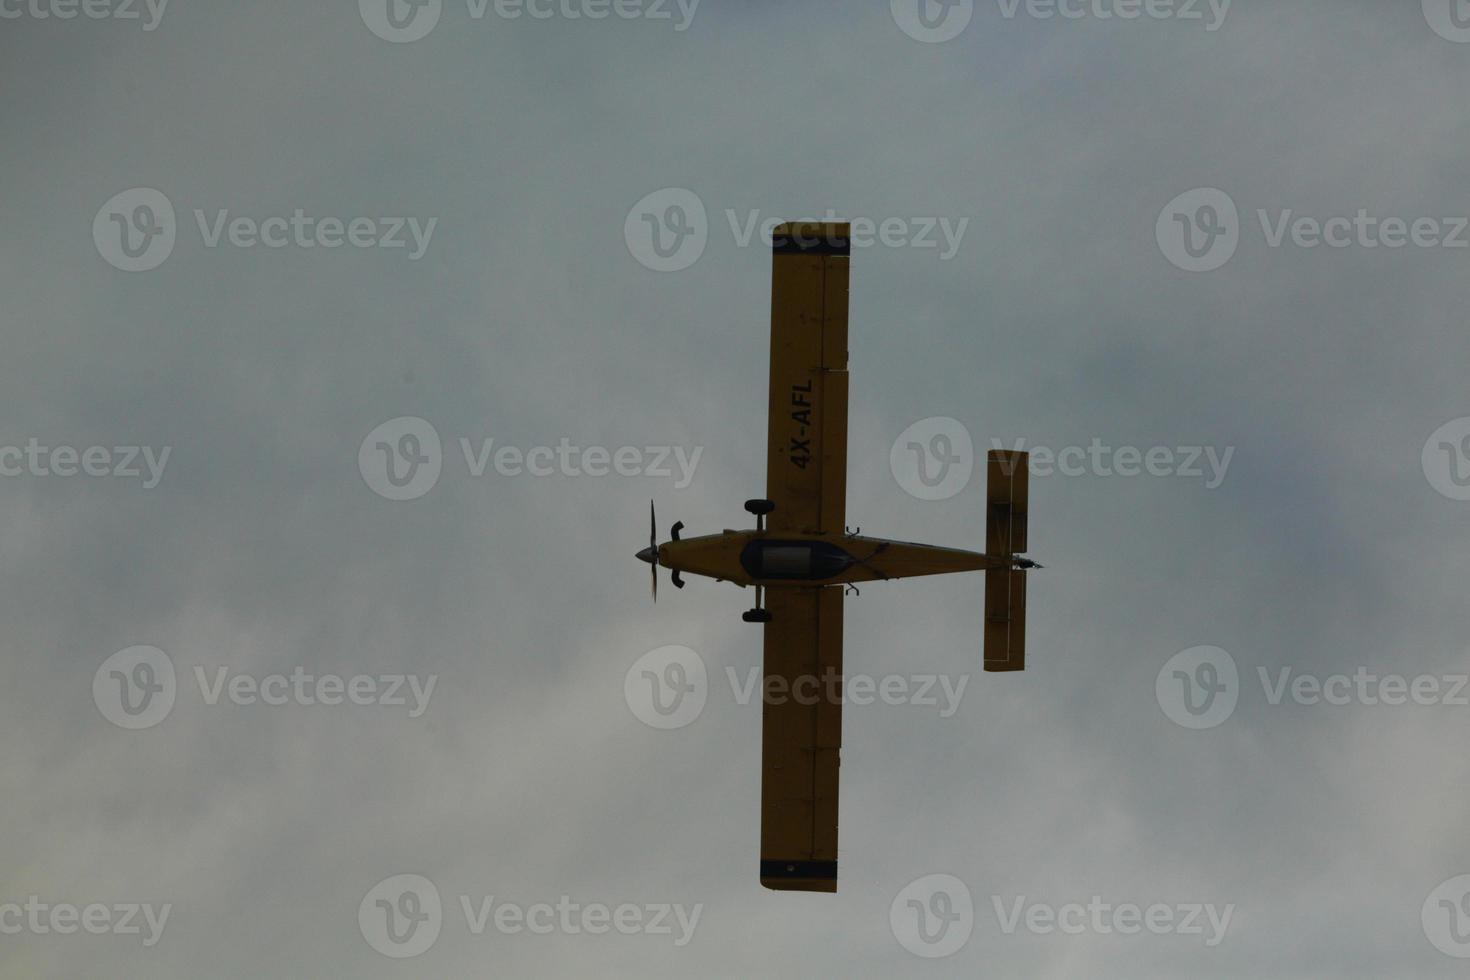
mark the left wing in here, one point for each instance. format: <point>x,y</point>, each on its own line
<point>800,739</point>
<point>806,448</point>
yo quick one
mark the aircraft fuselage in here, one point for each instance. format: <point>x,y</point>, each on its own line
<point>773,559</point>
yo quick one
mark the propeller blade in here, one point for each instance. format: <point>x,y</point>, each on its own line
<point>653,546</point>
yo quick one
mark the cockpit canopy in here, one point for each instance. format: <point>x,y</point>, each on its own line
<point>767,558</point>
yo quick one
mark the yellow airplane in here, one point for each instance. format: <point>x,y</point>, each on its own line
<point>801,558</point>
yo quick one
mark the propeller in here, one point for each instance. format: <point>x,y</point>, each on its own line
<point>651,554</point>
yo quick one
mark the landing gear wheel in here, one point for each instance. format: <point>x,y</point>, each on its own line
<point>756,616</point>
<point>760,507</point>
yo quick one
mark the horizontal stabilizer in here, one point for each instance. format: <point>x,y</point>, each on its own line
<point>1007,494</point>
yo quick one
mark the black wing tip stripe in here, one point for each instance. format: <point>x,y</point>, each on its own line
<point>811,244</point>
<point>777,870</point>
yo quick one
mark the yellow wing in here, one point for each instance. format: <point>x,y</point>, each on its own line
<point>806,458</point>
<point>1007,494</point>
<point>801,739</point>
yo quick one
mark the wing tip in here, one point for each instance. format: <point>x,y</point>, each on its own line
<point>812,238</point>
<point>799,876</point>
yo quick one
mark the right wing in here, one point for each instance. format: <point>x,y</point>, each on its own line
<point>801,736</point>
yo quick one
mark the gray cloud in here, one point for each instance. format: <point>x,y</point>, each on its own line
<point>527,320</point>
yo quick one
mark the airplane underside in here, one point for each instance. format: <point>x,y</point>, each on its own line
<point>800,555</point>
<point>775,560</point>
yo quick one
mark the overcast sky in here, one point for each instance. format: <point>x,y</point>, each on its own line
<point>222,485</point>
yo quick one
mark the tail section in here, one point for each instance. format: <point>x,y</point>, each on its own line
<point>1006,494</point>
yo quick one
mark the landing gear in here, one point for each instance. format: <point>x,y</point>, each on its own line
<point>759,614</point>
<point>760,508</point>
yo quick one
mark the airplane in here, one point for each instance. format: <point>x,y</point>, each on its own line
<point>801,558</point>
